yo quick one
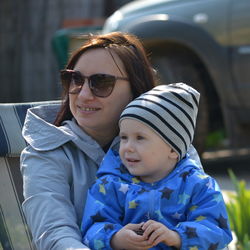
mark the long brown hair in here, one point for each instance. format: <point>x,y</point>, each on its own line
<point>132,54</point>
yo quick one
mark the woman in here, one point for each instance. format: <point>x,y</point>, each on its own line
<point>67,146</point>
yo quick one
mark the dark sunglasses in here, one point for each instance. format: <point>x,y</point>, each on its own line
<point>101,85</point>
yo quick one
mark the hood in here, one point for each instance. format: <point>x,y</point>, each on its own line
<point>141,8</point>
<point>112,165</point>
<point>41,134</point>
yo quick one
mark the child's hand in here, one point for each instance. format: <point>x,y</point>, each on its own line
<point>128,239</point>
<point>156,232</point>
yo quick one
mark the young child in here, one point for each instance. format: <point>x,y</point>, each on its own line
<point>151,194</point>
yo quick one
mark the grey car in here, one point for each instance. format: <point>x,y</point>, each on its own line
<point>205,43</point>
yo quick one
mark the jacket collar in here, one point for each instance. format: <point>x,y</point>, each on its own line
<point>42,135</point>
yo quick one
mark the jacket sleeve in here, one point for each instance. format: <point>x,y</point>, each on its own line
<point>49,211</point>
<point>103,213</point>
<point>206,225</point>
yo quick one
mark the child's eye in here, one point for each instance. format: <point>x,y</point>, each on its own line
<point>123,137</point>
<point>139,137</point>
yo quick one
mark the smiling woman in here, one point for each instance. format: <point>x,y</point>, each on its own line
<point>98,115</point>
<point>67,145</point>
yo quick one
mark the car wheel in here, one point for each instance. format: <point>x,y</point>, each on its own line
<point>174,68</point>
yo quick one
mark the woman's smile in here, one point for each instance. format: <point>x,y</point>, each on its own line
<point>88,109</point>
<point>100,115</point>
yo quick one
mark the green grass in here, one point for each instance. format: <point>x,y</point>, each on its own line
<point>239,212</point>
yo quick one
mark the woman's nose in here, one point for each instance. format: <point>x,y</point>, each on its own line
<point>86,91</point>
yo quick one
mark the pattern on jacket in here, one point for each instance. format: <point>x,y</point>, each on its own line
<point>187,201</point>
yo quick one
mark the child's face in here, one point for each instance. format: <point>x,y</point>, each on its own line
<point>144,153</point>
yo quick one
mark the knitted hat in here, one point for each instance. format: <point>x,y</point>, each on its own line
<point>171,111</point>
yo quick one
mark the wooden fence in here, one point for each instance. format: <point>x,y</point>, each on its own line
<point>28,66</point>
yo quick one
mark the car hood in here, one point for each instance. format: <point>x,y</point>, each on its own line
<point>142,6</point>
<point>139,8</point>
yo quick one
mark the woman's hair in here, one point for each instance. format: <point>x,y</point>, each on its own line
<point>132,54</point>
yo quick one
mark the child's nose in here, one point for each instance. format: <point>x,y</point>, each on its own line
<point>130,146</point>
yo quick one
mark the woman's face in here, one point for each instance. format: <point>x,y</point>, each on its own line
<point>95,115</point>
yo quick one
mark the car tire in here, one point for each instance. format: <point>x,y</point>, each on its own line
<point>172,68</point>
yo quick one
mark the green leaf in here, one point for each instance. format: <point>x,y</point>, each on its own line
<point>239,211</point>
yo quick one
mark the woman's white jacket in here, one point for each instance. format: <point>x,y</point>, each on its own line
<point>58,166</point>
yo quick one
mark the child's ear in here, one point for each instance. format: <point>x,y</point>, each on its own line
<point>173,154</point>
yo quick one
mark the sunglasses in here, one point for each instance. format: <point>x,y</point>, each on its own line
<point>101,85</point>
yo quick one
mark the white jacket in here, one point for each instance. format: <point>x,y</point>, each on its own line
<point>58,166</point>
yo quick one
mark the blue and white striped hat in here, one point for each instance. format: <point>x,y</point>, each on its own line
<point>171,111</point>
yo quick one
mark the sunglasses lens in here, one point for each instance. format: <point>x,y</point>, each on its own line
<point>72,80</point>
<point>102,84</point>
<point>77,81</point>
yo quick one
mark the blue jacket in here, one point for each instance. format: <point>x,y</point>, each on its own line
<point>187,201</point>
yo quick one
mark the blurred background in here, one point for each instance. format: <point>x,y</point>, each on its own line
<point>203,43</point>
<point>206,42</point>
<point>29,68</point>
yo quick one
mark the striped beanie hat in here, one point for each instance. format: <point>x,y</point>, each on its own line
<point>170,110</point>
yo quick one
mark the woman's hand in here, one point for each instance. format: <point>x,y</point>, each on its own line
<point>155,232</point>
<point>127,239</point>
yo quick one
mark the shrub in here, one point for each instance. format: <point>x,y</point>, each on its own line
<point>238,209</point>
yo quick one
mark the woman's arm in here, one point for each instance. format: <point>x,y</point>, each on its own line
<point>49,211</point>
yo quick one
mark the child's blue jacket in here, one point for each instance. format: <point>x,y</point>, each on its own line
<point>187,201</point>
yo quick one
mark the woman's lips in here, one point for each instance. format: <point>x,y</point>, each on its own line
<point>88,109</point>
